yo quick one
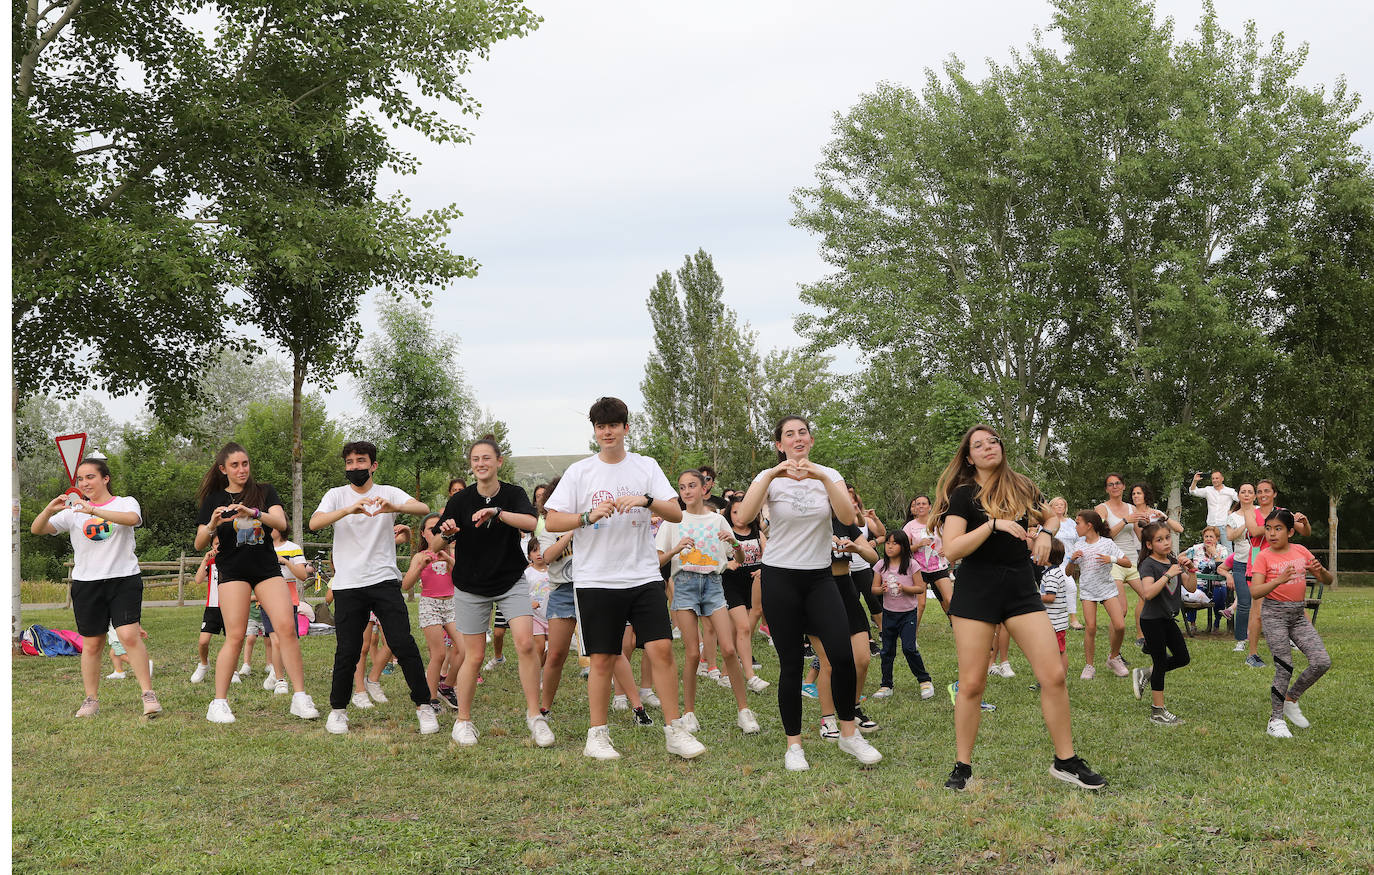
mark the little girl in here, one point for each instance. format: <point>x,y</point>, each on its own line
<point>433,567</point>
<point>1094,554</point>
<point>895,578</point>
<point>1279,575</point>
<point>537,574</point>
<point>1161,597</point>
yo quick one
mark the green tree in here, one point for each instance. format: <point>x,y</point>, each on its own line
<point>419,408</point>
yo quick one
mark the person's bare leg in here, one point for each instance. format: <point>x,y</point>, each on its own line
<point>521,629</point>
<point>973,644</point>
<point>92,658</point>
<point>744,639</point>
<point>560,641</point>
<point>137,654</point>
<point>687,622</point>
<point>665,676</point>
<point>1036,639</point>
<point>725,634</point>
<point>474,647</point>
<point>599,687</point>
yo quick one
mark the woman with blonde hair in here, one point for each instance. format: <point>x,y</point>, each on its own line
<point>983,510</point>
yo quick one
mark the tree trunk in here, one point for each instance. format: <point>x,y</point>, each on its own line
<point>16,607</point>
<point>1333,523</point>
<point>297,447</point>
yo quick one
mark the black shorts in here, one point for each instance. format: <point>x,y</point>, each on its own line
<point>212,621</point>
<point>603,613</point>
<point>253,576</point>
<point>98,603</point>
<point>863,582</point>
<point>739,589</point>
<point>932,577</point>
<point>267,621</point>
<point>992,593</point>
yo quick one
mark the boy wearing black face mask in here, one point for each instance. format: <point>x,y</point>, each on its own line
<point>367,581</point>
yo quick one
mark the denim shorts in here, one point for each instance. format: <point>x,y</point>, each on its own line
<point>561,604</point>
<point>700,593</point>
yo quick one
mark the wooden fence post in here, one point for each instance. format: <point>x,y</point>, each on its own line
<point>181,580</point>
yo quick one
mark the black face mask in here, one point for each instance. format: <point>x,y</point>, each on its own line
<point>358,476</point>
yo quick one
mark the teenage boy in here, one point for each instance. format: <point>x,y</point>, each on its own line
<point>606,500</point>
<point>367,581</point>
<point>708,477</point>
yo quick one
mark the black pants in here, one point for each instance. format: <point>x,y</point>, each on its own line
<point>1166,647</point>
<point>351,610</point>
<point>796,602</point>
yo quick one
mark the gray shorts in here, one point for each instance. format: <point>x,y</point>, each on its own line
<point>435,612</point>
<point>473,612</point>
<point>255,627</point>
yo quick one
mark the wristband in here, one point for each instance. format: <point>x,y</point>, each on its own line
<point>586,518</point>
<point>257,513</point>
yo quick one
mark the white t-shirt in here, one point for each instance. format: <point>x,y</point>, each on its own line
<point>1095,583</point>
<point>212,587</point>
<point>857,562</point>
<point>799,526</point>
<point>1218,503</point>
<point>708,554</point>
<point>101,550</point>
<point>364,546</point>
<point>1068,536</point>
<point>616,552</point>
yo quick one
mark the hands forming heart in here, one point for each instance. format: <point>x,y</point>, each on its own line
<point>372,506</point>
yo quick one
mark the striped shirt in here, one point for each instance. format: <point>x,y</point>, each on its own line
<point>1053,582</point>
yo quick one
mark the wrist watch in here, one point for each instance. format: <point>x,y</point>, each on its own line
<point>648,499</point>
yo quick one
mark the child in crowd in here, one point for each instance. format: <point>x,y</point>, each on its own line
<point>1163,576</point>
<point>211,620</point>
<point>1094,555</point>
<point>1054,587</point>
<point>897,579</point>
<point>119,660</point>
<point>433,567</point>
<point>1279,576</point>
<point>537,574</point>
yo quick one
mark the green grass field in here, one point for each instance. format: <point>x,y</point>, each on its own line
<point>274,794</point>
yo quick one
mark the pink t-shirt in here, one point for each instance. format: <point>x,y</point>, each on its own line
<point>927,558</point>
<point>436,578</point>
<point>1270,563</point>
<point>894,599</point>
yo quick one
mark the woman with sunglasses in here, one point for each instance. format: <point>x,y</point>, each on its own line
<point>983,510</point>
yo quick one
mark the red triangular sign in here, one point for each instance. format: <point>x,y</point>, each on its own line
<point>72,447</point>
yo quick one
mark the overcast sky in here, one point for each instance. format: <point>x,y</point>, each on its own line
<point>620,137</point>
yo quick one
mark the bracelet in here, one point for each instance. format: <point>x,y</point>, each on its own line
<point>586,518</point>
<point>257,513</point>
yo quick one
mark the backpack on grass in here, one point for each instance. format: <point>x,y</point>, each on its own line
<point>42,641</point>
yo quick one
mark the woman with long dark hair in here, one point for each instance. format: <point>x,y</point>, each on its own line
<point>983,509</point>
<point>236,511</point>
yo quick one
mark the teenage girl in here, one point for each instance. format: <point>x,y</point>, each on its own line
<point>1163,577</point>
<point>739,580</point>
<point>1095,555</point>
<point>107,586</point>
<point>982,509</point>
<point>1279,576</point>
<point>849,543</point>
<point>237,511</point>
<point>799,592</point>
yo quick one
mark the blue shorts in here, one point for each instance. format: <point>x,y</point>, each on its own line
<point>701,593</point>
<point>561,604</point>
<point>267,621</point>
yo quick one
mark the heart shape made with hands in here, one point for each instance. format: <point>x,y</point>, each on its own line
<point>796,470</point>
<point>372,506</point>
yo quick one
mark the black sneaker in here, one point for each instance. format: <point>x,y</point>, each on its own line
<point>1074,771</point>
<point>642,717</point>
<point>958,778</point>
<point>873,648</point>
<point>807,652</point>
<point>449,698</point>
<point>863,721</point>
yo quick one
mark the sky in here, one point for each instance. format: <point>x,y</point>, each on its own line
<point>620,137</point>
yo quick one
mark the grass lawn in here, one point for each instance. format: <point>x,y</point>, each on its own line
<point>274,794</point>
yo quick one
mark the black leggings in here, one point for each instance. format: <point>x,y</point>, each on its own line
<point>1162,635</point>
<point>796,602</point>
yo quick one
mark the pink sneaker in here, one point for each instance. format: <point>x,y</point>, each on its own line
<point>88,708</point>
<point>1118,666</point>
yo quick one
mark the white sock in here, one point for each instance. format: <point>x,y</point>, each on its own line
<point>644,691</point>
<point>205,665</point>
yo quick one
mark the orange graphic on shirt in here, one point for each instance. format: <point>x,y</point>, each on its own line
<point>696,557</point>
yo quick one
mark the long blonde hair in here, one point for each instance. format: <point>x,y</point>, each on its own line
<point>1008,494</point>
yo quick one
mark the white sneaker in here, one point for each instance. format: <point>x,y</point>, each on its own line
<point>681,742</point>
<point>649,698</point>
<point>115,676</point>
<point>360,700</point>
<point>269,682</point>
<point>465,733</point>
<point>492,663</point>
<point>830,728</point>
<point>219,712</point>
<point>539,730</point>
<point>689,722</point>
<point>702,669</point>
<point>199,674</point>
<point>304,707</point>
<point>1241,647</point>
<point>1294,713</point>
<point>713,674</point>
<point>858,747</point>
<point>883,693</point>
<point>1278,728</point>
<point>795,759</point>
<point>337,722</point>
<point>620,703</point>
<point>429,724</point>
<point>757,684</point>
<point>1005,670</point>
<point>598,745</point>
<point>746,721</point>
<point>235,679</point>
<point>374,690</point>
<point>1089,672</point>
<point>927,690</point>
<point>724,681</point>
<point>245,670</point>
<point>281,687</point>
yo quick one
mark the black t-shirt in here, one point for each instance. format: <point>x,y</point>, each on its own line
<point>842,531</point>
<point>749,544</point>
<point>245,546</point>
<point>1169,599</point>
<point>489,558</point>
<point>1000,548</point>
<point>715,502</point>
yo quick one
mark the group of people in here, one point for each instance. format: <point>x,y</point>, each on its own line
<point>616,554</point>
